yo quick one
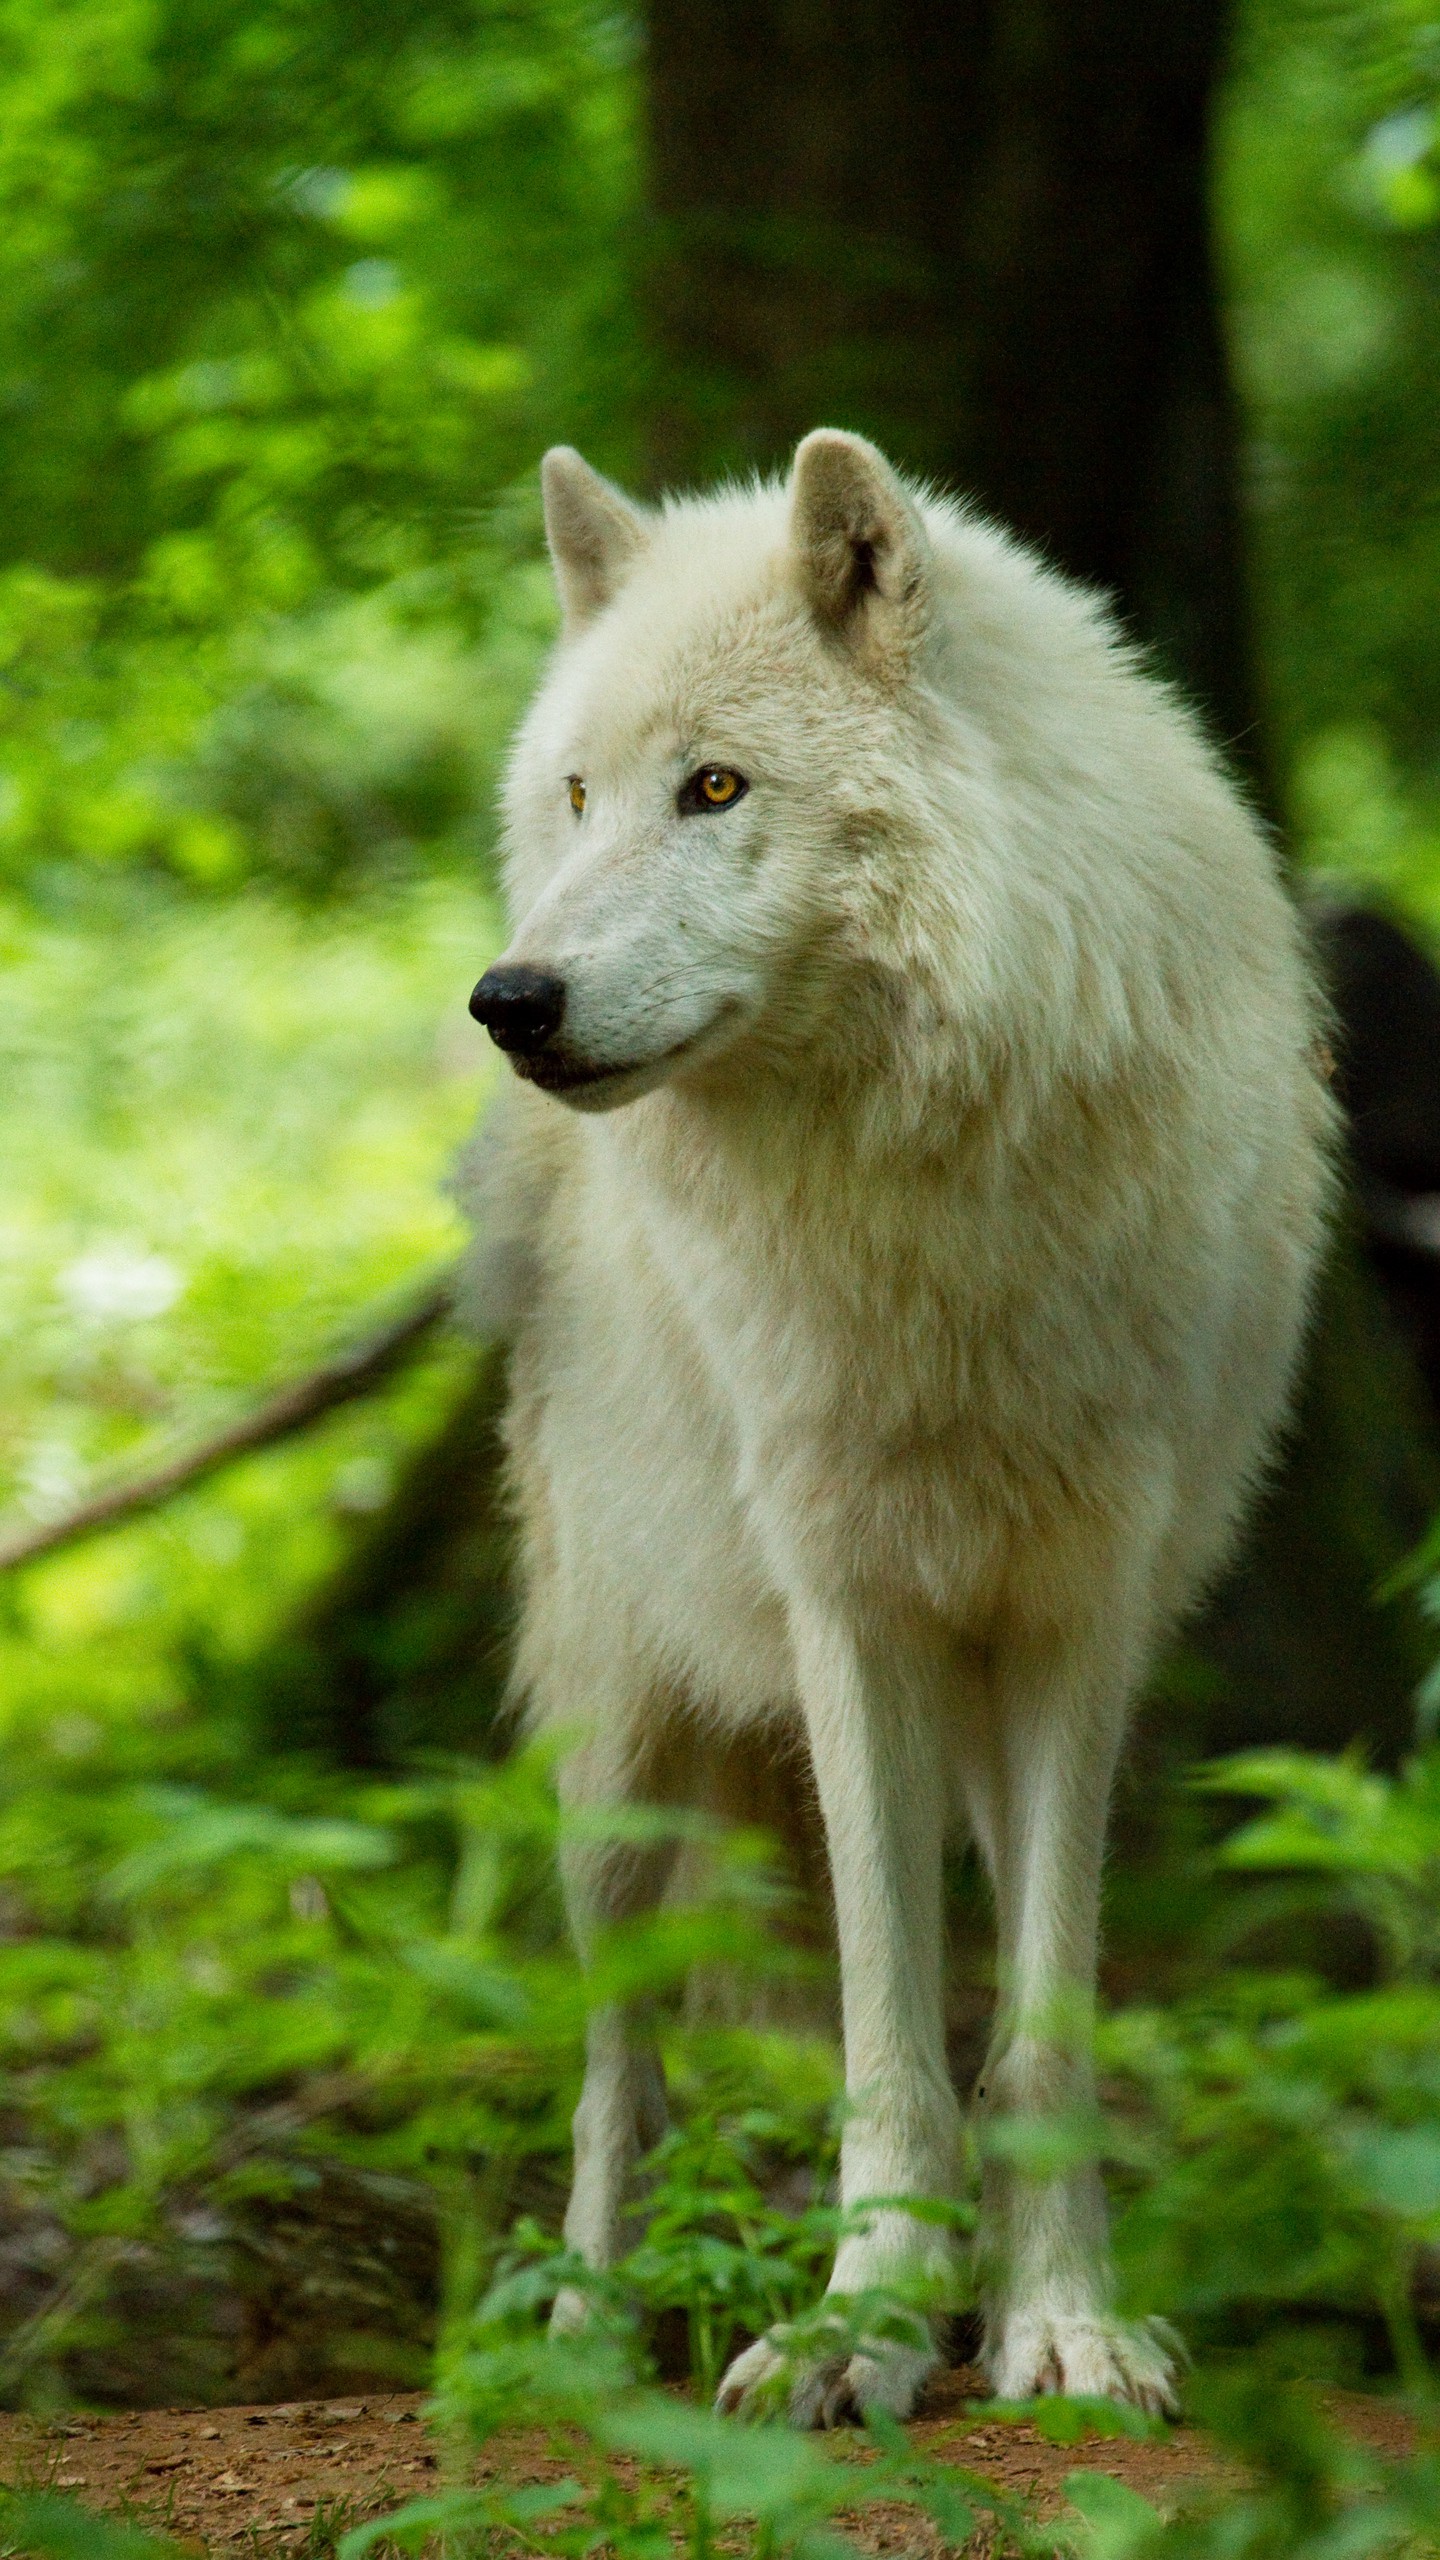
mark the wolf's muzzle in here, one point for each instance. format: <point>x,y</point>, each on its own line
<point>521,1008</point>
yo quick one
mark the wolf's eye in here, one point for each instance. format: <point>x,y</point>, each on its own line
<point>715,786</point>
<point>577,794</point>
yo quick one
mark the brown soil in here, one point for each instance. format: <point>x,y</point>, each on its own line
<point>289,2479</point>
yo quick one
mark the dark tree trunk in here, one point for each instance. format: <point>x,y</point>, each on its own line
<point>980,234</point>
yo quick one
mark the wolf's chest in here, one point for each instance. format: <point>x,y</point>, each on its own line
<point>870,1358</point>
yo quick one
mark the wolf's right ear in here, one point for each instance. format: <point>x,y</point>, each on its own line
<point>594,532</point>
<point>861,549</point>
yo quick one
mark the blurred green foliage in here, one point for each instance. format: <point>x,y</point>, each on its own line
<point>226,1132</point>
<point>289,283</point>
<point>290,296</point>
<point>1328,208</point>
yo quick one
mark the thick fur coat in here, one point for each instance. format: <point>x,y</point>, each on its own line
<point>924,1160</point>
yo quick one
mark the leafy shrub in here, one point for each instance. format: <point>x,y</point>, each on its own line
<point>208,1996</point>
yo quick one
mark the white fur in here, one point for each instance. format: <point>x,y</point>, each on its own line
<point>897,1361</point>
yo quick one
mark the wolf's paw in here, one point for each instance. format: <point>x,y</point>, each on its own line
<point>1132,2361</point>
<point>825,2391</point>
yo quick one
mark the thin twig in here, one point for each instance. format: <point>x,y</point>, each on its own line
<point>339,1380</point>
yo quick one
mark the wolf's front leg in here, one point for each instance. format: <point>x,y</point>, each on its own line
<point>872,1709</point>
<point>1038,1778</point>
<point>621,2112</point>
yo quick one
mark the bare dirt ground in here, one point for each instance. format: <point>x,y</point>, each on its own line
<point>291,2479</point>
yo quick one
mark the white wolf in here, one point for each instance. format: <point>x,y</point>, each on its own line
<point>917,1273</point>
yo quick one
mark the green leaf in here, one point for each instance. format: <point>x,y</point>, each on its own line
<point>1397,2168</point>
<point>1115,2520</point>
<point>1063,2420</point>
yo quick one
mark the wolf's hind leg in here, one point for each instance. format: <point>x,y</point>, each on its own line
<point>1038,1774</point>
<point>621,2113</point>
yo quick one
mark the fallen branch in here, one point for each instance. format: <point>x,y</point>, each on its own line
<point>339,1380</point>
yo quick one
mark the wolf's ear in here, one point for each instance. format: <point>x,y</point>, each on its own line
<point>593,530</point>
<point>861,548</point>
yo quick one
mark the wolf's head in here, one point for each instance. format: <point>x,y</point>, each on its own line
<point>725,738</point>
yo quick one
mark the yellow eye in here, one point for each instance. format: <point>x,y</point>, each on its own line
<point>714,786</point>
<point>577,794</point>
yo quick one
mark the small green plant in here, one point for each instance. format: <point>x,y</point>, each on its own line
<point>1288,2136</point>
<point>715,2247</point>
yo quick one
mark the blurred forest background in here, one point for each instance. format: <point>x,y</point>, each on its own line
<point>293,293</point>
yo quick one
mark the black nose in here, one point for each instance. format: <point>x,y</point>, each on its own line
<point>520,1008</point>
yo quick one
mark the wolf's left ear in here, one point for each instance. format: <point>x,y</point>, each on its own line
<point>861,549</point>
<point>594,532</point>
